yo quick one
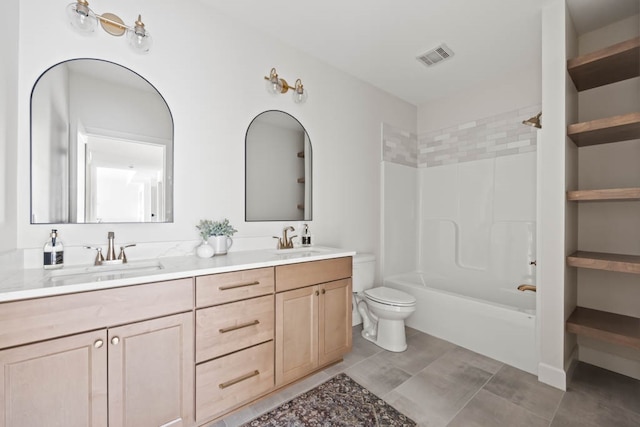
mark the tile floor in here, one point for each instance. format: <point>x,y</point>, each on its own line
<point>440,384</point>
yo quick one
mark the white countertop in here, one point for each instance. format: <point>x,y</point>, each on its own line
<point>36,283</point>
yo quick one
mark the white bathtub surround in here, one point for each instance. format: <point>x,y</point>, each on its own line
<point>475,186</point>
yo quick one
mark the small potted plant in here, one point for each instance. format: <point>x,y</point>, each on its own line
<point>220,233</point>
<point>204,250</point>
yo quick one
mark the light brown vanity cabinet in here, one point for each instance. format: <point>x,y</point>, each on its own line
<point>60,382</point>
<point>234,340</point>
<point>133,368</point>
<point>313,316</point>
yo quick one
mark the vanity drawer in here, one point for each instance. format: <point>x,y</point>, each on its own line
<point>230,327</point>
<point>294,276</point>
<point>227,287</point>
<point>232,380</point>
<point>39,319</point>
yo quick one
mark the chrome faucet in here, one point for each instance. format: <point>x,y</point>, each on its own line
<point>285,242</point>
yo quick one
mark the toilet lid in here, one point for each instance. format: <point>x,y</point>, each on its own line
<point>391,296</point>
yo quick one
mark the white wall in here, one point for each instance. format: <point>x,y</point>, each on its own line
<point>504,93</point>
<point>8,129</point>
<point>554,301</point>
<point>400,227</point>
<point>210,70</point>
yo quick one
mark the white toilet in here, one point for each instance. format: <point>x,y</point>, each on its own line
<point>383,310</point>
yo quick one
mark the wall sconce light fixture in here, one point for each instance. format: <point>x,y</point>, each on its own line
<point>535,121</point>
<point>84,19</point>
<point>277,85</point>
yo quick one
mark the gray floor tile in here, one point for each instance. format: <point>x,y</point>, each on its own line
<point>467,357</point>
<point>421,350</point>
<point>415,410</point>
<point>438,392</point>
<point>579,409</point>
<point>488,410</point>
<point>240,417</point>
<point>219,423</point>
<point>525,390</point>
<point>607,386</point>
<point>362,348</point>
<point>379,377</point>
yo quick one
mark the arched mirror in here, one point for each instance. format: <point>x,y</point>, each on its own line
<point>278,163</point>
<point>101,146</point>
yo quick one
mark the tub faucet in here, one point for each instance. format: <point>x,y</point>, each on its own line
<point>285,242</point>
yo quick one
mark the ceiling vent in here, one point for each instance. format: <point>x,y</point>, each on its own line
<point>436,55</point>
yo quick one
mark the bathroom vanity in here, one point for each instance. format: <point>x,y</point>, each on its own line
<point>176,346</point>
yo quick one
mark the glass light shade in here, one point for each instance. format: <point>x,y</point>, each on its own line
<point>300,95</point>
<point>139,39</point>
<point>274,86</point>
<point>81,17</point>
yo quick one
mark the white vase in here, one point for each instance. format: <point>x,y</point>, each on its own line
<point>204,250</point>
<point>221,244</point>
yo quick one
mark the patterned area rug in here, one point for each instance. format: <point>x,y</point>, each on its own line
<point>338,402</point>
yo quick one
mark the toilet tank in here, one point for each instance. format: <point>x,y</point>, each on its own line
<point>364,271</point>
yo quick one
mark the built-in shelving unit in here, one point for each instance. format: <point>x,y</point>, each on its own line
<point>605,261</point>
<point>609,327</point>
<point>605,131</point>
<point>609,194</point>
<point>606,66</point>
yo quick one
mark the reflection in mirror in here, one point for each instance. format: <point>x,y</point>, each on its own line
<point>101,146</point>
<point>277,169</point>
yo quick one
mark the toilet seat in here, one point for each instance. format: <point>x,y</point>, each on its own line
<point>389,296</point>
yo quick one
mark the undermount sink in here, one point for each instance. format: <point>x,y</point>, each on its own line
<point>105,270</point>
<point>302,251</point>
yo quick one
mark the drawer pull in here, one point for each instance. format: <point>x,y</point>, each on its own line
<point>235,328</point>
<point>239,285</point>
<point>239,379</point>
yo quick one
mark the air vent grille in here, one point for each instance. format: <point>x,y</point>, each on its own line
<point>435,55</point>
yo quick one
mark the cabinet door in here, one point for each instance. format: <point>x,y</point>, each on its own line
<point>60,382</point>
<point>334,321</point>
<point>151,373</point>
<point>296,333</point>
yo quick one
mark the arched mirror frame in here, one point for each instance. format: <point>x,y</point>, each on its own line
<point>278,179</point>
<point>64,202</point>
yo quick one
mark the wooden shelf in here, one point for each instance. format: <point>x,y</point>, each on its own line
<point>604,131</point>
<point>605,66</point>
<point>606,194</point>
<point>609,327</point>
<point>605,261</point>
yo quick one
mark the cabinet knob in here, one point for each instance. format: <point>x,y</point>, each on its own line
<point>324,291</point>
<point>115,340</point>
<point>317,293</point>
<point>98,343</point>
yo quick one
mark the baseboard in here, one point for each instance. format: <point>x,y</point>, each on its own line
<point>610,362</point>
<point>552,376</point>
<point>571,363</point>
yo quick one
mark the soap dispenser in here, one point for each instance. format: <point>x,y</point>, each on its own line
<point>53,252</point>
<point>306,236</point>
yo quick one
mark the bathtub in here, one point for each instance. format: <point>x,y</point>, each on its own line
<point>490,318</point>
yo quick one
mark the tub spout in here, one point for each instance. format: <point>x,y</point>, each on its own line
<point>526,287</point>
